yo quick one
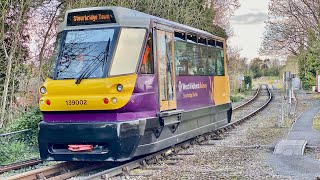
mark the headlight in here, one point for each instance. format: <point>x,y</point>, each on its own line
<point>43,90</point>
<point>119,87</point>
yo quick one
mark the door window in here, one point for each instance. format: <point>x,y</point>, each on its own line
<point>166,70</point>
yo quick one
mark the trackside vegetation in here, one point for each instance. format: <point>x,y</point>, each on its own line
<point>23,145</point>
<point>295,37</point>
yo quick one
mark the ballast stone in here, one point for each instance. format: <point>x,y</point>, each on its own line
<point>290,147</point>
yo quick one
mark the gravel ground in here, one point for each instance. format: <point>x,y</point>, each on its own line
<point>313,152</point>
<point>241,154</point>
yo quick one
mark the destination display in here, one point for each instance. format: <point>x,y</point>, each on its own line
<point>90,17</point>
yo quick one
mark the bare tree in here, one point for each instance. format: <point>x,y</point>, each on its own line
<point>288,26</point>
<point>224,9</point>
<point>236,67</point>
<point>47,33</point>
<point>13,15</point>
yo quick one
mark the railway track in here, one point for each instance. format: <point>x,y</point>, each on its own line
<point>19,165</point>
<point>258,100</point>
<point>67,170</point>
<point>247,102</point>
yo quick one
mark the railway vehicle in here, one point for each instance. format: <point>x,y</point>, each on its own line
<point>123,84</point>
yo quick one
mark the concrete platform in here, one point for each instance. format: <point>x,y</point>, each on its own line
<point>290,147</point>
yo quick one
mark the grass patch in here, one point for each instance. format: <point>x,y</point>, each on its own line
<point>15,150</point>
<point>272,80</point>
<point>316,122</point>
<point>315,96</point>
<point>21,146</point>
<point>236,97</point>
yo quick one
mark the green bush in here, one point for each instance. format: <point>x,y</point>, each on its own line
<point>28,120</point>
<point>247,80</point>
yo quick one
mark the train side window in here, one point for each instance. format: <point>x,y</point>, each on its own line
<point>181,58</point>
<point>202,58</point>
<point>212,61</point>
<point>211,42</point>
<point>220,58</point>
<point>192,53</point>
<point>219,44</point>
<point>202,61</point>
<point>179,36</point>
<point>220,62</point>
<point>197,67</point>
<point>147,65</point>
<point>202,41</point>
<point>180,53</point>
<point>191,38</point>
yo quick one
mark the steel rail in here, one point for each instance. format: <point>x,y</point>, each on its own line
<point>252,113</point>
<point>19,165</point>
<point>45,172</point>
<point>249,101</point>
<point>62,171</point>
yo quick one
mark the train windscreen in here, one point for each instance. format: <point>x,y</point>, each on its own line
<point>90,53</point>
<point>85,53</point>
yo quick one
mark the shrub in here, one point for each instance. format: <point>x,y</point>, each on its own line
<point>247,80</point>
<point>236,98</point>
<point>28,120</point>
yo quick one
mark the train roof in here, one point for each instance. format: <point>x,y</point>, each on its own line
<point>130,18</point>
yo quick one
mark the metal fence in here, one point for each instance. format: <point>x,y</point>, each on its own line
<point>15,133</point>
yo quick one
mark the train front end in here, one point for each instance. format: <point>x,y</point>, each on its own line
<point>92,106</point>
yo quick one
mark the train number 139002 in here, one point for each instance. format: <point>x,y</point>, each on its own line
<point>76,102</point>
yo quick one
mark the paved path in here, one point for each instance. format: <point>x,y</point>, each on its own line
<point>302,128</point>
<point>300,167</point>
<point>297,167</point>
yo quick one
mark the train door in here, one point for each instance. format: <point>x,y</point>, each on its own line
<point>166,74</point>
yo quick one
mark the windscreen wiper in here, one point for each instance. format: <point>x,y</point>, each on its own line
<point>106,53</point>
<point>105,57</point>
<point>88,68</point>
<point>87,73</point>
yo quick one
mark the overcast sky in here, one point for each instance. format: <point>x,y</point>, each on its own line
<point>248,26</point>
